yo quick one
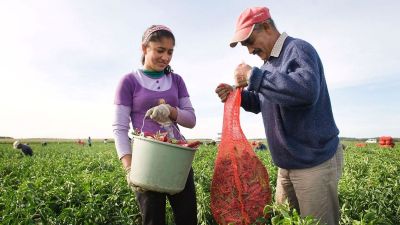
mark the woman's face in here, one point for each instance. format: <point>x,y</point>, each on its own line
<point>158,55</point>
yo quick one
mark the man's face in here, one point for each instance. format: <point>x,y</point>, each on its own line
<point>260,43</point>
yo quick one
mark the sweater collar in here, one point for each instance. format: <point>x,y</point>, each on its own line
<point>153,74</point>
<point>276,50</point>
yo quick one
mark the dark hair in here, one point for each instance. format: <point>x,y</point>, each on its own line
<point>156,36</point>
<point>270,21</point>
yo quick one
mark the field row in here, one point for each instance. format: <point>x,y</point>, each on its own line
<point>70,184</point>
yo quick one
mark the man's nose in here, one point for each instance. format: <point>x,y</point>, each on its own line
<point>250,49</point>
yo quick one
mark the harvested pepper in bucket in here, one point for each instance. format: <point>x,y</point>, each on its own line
<point>240,185</point>
<point>163,137</point>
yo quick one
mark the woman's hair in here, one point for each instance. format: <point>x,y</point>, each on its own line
<point>154,34</point>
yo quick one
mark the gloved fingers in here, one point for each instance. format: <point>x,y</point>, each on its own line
<point>153,114</point>
<point>137,189</point>
<point>130,184</point>
<point>165,113</point>
<point>163,109</point>
<point>149,112</point>
<point>163,120</point>
<point>128,174</point>
<point>156,115</point>
<point>161,113</point>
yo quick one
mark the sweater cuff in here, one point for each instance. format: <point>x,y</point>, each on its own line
<point>255,80</point>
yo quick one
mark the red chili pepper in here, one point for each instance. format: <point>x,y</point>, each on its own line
<point>163,138</point>
<point>180,142</point>
<point>194,144</point>
<point>148,134</point>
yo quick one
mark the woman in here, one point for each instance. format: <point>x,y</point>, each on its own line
<point>157,92</point>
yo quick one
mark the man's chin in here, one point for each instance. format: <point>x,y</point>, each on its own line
<point>260,55</point>
<point>263,57</point>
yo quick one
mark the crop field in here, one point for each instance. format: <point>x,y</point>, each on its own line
<point>64,183</point>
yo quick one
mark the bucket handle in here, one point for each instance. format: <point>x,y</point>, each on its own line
<point>172,123</point>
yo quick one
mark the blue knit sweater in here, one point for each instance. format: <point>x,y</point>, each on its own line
<point>291,93</point>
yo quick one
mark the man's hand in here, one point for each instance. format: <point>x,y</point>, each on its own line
<point>223,91</point>
<point>130,184</point>
<point>160,113</point>
<point>242,75</point>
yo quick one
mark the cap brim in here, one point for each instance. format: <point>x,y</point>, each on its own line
<point>241,35</point>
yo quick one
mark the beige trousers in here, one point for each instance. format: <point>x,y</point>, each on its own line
<point>313,191</point>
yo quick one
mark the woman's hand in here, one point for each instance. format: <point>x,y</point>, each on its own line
<point>130,184</point>
<point>160,113</point>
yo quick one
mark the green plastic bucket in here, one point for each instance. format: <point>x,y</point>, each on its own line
<point>160,166</point>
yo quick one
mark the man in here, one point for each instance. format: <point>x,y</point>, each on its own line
<point>24,148</point>
<point>89,141</point>
<point>260,146</point>
<point>290,91</point>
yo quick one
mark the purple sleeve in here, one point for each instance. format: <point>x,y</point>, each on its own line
<point>182,91</point>
<point>186,116</point>
<point>124,92</point>
<point>121,130</point>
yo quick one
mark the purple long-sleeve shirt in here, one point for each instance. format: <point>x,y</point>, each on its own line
<point>136,93</point>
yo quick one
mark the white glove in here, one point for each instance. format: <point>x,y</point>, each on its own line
<point>159,113</point>
<point>130,184</point>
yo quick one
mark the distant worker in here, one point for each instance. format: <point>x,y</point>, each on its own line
<point>261,146</point>
<point>212,143</point>
<point>89,141</point>
<point>24,148</point>
<point>105,141</point>
<point>81,142</point>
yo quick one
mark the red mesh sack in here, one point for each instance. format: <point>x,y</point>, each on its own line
<point>240,185</point>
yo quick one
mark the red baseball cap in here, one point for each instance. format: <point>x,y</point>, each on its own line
<point>246,21</point>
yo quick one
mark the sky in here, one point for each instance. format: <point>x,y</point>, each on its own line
<point>61,60</point>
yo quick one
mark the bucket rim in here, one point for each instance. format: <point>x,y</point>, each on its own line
<point>163,143</point>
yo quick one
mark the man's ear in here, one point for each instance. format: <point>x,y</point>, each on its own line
<point>267,26</point>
